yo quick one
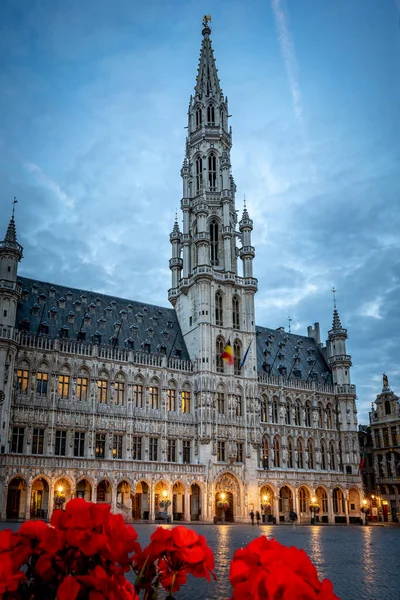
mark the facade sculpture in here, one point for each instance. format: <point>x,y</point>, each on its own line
<point>130,403</point>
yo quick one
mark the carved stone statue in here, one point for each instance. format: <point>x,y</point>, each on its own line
<point>385,381</point>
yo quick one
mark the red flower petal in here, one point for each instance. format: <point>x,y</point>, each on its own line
<point>69,589</point>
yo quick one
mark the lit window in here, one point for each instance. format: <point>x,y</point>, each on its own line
<point>102,386</point>
<point>119,390</point>
<point>171,398</point>
<point>117,446</point>
<point>41,383</point>
<point>138,396</point>
<point>154,397</point>
<point>185,401</point>
<point>63,386</point>
<point>22,381</point>
<point>82,388</point>
<point>100,445</point>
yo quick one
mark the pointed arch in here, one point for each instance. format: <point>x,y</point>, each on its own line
<point>290,453</point>
<point>199,174</point>
<point>211,114</point>
<point>237,356</point>
<point>277,452</point>
<point>300,455</point>
<point>275,409</point>
<point>199,116</point>
<point>324,462</point>
<point>214,236</point>
<point>212,172</point>
<point>332,461</point>
<point>310,452</point>
<point>219,348</point>
<point>219,308</point>
<point>235,312</point>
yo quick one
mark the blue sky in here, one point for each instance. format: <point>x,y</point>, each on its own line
<point>92,115</point>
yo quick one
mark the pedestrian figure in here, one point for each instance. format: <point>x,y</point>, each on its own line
<point>293,517</point>
<point>252,516</point>
<point>258,518</point>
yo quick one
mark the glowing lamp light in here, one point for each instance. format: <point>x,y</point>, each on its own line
<point>164,493</point>
<point>223,495</point>
<point>364,502</point>
<point>60,489</point>
<point>313,500</point>
<point>265,498</point>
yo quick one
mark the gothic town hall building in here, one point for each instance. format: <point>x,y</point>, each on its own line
<point>128,403</point>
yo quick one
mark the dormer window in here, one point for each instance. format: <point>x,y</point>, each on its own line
<point>266,367</point>
<point>165,335</point>
<point>114,341</point>
<point>24,325</point>
<point>42,299</point>
<point>98,301</point>
<point>162,350</point>
<point>146,346</point>
<point>297,373</point>
<point>129,343</point>
<point>35,309</point>
<point>44,328</point>
<point>282,370</point>
<point>150,331</point>
<point>130,308</point>
<point>61,302</point>
<point>96,337</point>
<point>64,332</point>
<point>108,310</point>
<point>71,317</point>
<point>35,288</point>
<point>134,330</point>
<point>25,294</point>
<point>101,322</point>
<point>139,317</point>
<point>199,117</point>
<point>53,312</point>
<point>145,309</point>
<point>87,319</point>
<point>81,335</point>
<point>123,314</point>
<point>77,305</point>
<point>69,296</point>
<point>52,292</point>
<point>178,353</point>
<point>84,298</point>
<point>92,307</point>
<point>170,324</point>
<point>117,326</point>
<point>210,114</point>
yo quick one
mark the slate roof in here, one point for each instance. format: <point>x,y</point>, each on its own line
<point>49,308</point>
<point>294,356</point>
<point>57,311</point>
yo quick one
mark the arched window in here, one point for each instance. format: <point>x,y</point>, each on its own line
<point>237,351</point>
<point>119,389</point>
<point>199,174</point>
<point>310,454</point>
<point>264,409</point>
<point>338,501</point>
<point>387,407</point>
<point>220,344</point>
<point>323,456</point>
<point>154,394</point>
<point>235,313</point>
<point>303,500</point>
<point>212,172</point>
<point>290,454</point>
<point>320,415</point>
<point>42,379</point>
<point>221,117</point>
<point>329,421</point>
<point>199,117</point>
<point>185,399</point>
<point>277,453</point>
<point>102,387</point>
<point>297,412</point>
<point>332,456</point>
<point>219,314</point>
<point>308,414</point>
<point>300,456</point>
<point>210,114</point>
<point>221,401</point>
<point>239,403</point>
<point>288,412</point>
<point>274,409</point>
<point>265,453</point>
<point>214,243</point>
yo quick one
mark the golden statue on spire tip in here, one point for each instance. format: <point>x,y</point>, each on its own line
<point>206,19</point>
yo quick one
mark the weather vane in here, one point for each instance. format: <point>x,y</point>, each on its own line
<point>206,19</point>
<point>289,321</point>
<point>334,297</point>
<point>14,202</point>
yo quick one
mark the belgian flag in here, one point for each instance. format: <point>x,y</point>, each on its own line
<point>227,354</point>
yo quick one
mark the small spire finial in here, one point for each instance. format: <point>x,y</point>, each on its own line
<point>14,203</point>
<point>244,201</point>
<point>289,321</point>
<point>334,297</point>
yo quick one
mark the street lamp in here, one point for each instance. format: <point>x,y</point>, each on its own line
<point>265,505</point>
<point>165,501</point>
<point>314,509</point>
<point>59,497</point>
<point>365,510</point>
<point>224,504</point>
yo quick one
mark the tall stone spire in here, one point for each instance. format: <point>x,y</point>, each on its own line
<point>336,324</point>
<point>207,80</point>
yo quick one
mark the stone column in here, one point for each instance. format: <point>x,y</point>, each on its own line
<point>51,500</point>
<point>94,493</point>
<point>186,514</point>
<point>296,502</point>
<point>346,506</point>
<point>113,498</point>
<point>276,509</point>
<point>4,503</point>
<point>331,517</point>
<point>28,500</point>
<point>151,504</point>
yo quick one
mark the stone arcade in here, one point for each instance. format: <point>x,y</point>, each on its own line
<point>124,402</point>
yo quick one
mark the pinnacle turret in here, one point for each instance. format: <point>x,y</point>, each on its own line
<point>11,235</point>
<point>336,324</point>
